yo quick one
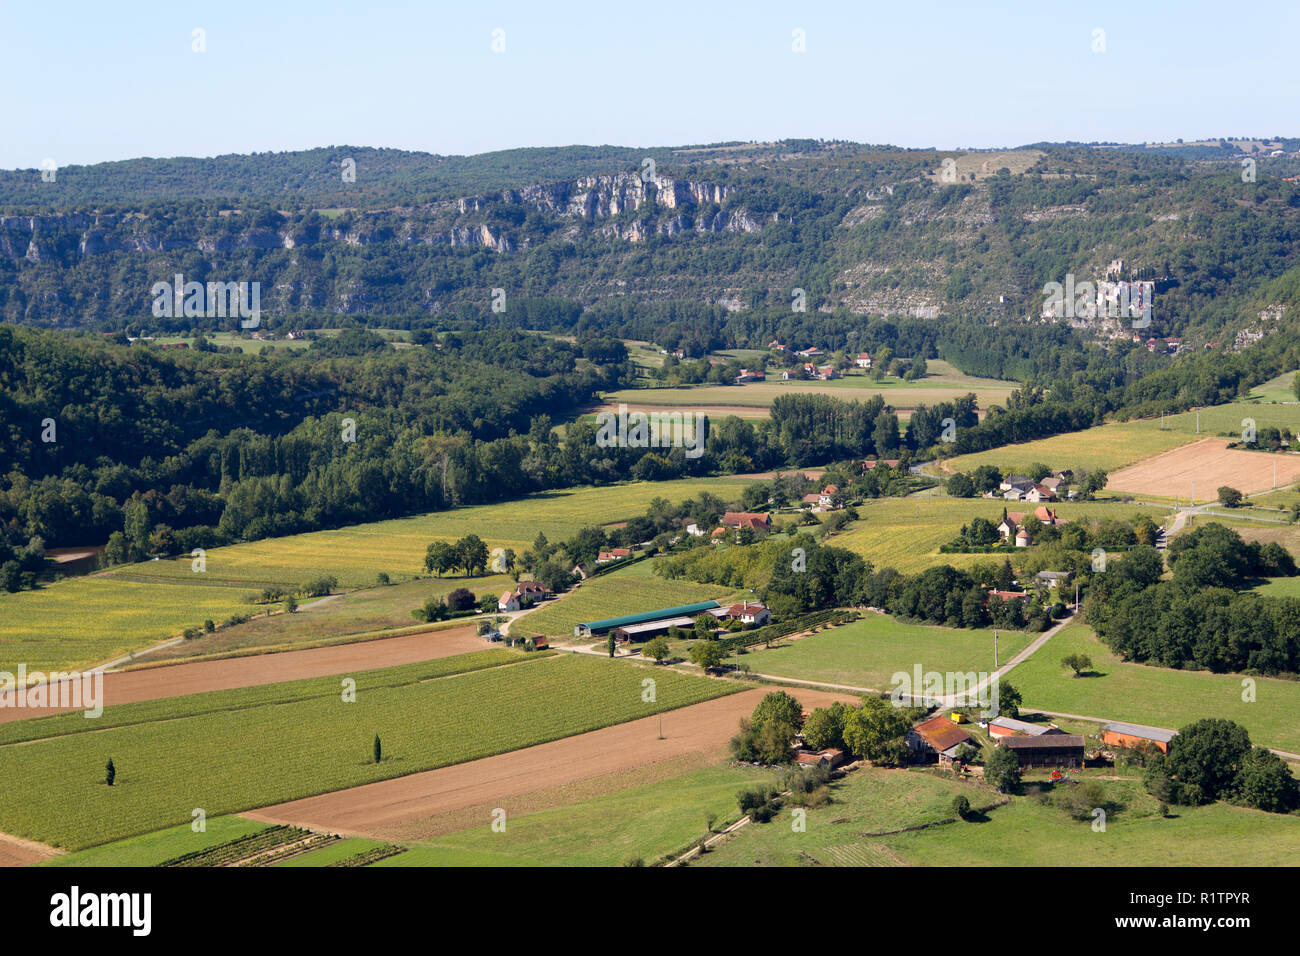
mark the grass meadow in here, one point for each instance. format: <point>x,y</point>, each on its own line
<point>227,760</point>
<point>1157,696</point>
<point>868,652</point>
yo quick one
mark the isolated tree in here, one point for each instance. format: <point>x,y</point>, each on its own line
<point>291,604</point>
<point>110,772</point>
<point>657,648</point>
<point>960,806</point>
<point>1077,663</point>
<point>379,750</point>
<point>461,599</point>
<point>1230,497</point>
<point>611,643</point>
<point>708,654</point>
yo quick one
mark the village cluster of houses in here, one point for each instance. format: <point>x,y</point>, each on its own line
<point>1054,487</point>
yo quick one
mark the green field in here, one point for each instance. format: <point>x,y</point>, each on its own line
<point>868,652</point>
<point>260,695</point>
<point>1277,389</point>
<point>906,533</point>
<point>866,801</point>
<point>86,621</point>
<point>1156,696</point>
<point>1116,444</point>
<point>150,849</point>
<point>625,591</point>
<point>356,554</point>
<point>225,761</point>
<point>363,613</point>
<point>944,385</point>
<point>79,622</point>
<point>1028,833</point>
<point>647,821</point>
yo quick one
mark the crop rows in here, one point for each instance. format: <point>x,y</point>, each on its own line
<point>230,761</point>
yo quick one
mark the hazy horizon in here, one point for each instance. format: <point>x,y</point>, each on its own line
<point>105,86</point>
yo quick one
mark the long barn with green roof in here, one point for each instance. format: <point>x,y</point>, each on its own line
<point>591,628</point>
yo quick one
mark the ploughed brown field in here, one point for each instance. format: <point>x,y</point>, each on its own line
<point>406,808</point>
<point>1209,464</point>
<point>176,680</point>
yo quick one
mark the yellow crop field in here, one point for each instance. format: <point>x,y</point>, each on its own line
<point>906,533</point>
<point>1116,444</point>
<point>79,622</point>
<point>944,383</point>
<point>356,554</point>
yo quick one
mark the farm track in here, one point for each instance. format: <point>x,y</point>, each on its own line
<point>177,680</point>
<point>402,809</point>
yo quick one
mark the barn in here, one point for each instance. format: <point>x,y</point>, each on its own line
<point>591,628</point>
<point>1046,750</point>
<point>1137,736</point>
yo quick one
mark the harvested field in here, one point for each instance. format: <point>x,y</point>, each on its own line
<point>1203,467</point>
<point>405,808</point>
<point>154,683</point>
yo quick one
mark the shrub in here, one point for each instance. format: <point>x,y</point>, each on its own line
<point>961,806</point>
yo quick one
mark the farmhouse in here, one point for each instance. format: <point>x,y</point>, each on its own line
<point>613,554</point>
<point>747,519</point>
<point>827,497</point>
<point>746,612</point>
<point>831,757</point>
<point>1046,750</point>
<point>863,360</point>
<point>1119,734</point>
<point>937,738</point>
<point>1009,727</point>
<point>1009,528</point>
<point>581,571</point>
<point>1052,580</point>
<point>531,591</point>
<point>508,602</point>
<point>589,628</point>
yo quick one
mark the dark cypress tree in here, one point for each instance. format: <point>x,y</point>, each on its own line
<point>379,750</point>
<point>110,772</point>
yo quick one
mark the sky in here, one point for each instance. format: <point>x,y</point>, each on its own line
<point>93,81</point>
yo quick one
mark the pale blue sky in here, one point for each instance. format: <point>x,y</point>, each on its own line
<point>93,81</point>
